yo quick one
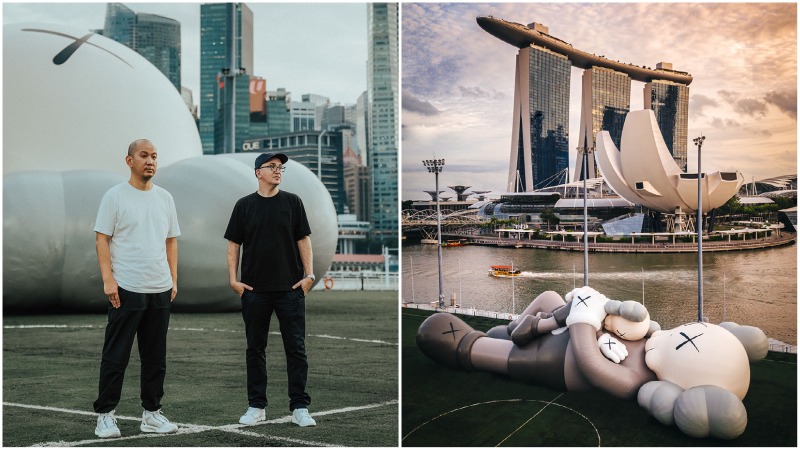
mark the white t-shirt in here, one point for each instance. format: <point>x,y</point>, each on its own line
<point>139,223</point>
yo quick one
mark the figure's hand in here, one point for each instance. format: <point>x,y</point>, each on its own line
<point>111,289</point>
<point>588,306</point>
<point>612,348</point>
<point>305,283</point>
<point>239,288</point>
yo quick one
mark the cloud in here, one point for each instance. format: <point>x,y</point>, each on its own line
<point>724,124</point>
<point>785,101</point>
<point>699,102</point>
<point>478,92</point>
<point>750,107</point>
<point>413,104</point>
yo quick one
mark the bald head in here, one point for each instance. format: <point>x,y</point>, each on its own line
<point>135,145</point>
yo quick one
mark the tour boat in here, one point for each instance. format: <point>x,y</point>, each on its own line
<point>503,271</point>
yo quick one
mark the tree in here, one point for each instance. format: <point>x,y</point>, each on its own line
<point>549,216</point>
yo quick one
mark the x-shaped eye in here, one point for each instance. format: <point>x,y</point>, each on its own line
<point>452,330</point>
<point>583,300</point>
<point>689,341</point>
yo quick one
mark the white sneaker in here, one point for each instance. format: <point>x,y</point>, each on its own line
<point>107,426</point>
<point>253,416</point>
<point>155,422</point>
<point>301,417</point>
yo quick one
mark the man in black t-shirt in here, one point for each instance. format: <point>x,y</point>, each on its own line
<point>277,272</point>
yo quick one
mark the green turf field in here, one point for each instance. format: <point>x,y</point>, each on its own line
<point>444,407</point>
<point>50,379</point>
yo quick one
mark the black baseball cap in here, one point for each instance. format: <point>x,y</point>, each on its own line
<point>264,157</point>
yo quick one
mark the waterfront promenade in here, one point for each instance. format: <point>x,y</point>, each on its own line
<point>627,247</point>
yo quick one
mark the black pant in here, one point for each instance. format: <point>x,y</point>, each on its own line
<point>257,309</point>
<point>145,316</point>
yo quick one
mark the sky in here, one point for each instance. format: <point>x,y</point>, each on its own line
<point>318,48</point>
<point>458,82</point>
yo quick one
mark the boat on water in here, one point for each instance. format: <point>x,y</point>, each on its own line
<point>504,271</point>
<point>454,243</point>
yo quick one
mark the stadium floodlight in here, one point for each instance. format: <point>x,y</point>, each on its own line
<point>435,167</point>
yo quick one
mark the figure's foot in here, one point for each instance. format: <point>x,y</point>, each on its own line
<point>526,331</point>
<point>447,340</point>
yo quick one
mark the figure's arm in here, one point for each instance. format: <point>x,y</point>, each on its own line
<point>102,243</point>
<point>307,258</point>
<point>172,261</point>
<point>233,269</point>
<point>618,380</point>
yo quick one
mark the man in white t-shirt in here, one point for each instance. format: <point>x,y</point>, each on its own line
<point>137,248</point>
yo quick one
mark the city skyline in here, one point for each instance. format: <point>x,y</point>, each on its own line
<point>458,82</point>
<point>282,54</point>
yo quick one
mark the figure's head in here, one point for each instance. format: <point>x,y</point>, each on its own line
<point>628,320</point>
<point>698,354</point>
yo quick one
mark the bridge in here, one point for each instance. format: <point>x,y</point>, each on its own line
<point>425,221</point>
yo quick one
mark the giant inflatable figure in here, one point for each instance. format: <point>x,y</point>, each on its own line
<point>693,376</point>
<point>72,103</point>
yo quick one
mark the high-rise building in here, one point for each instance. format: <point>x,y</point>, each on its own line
<point>605,103</point>
<point>320,152</point>
<point>279,119</point>
<point>382,119</point>
<point>358,187</point>
<point>670,104</point>
<point>156,38</point>
<point>258,107</point>
<point>216,22</point>
<point>539,139</point>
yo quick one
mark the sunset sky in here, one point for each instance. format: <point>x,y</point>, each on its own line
<point>458,81</point>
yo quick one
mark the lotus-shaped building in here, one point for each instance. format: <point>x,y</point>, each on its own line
<point>643,171</point>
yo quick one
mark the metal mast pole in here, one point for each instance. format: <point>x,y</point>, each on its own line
<point>435,166</point>
<point>585,218</point>
<point>699,143</point>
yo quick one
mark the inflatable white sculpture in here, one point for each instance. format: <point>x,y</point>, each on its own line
<point>72,103</point>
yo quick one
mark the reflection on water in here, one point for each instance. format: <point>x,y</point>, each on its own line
<point>755,287</point>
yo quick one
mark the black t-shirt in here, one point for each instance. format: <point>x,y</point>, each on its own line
<point>268,229</point>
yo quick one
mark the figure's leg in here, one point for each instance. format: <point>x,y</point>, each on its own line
<point>447,340</point>
<point>542,306</point>
<point>549,313</point>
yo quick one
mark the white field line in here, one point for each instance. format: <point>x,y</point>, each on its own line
<point>187,428</point>
<point>532,417</point>
<point>218,330</point>
<point>551,402</point>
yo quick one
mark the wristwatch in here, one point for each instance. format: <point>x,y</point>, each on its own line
<point>311,275</point>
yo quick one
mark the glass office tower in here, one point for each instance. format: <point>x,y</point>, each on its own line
<point>215,18</point>
<point>156,38</point>
<point>670,104</point>
<point>382,119</point>
<point>539,149</point>
<point>605,103</point>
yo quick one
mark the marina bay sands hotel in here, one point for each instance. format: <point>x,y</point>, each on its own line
<point>540,132</point>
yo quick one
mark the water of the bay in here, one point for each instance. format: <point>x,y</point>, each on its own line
<point>751,287</point>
